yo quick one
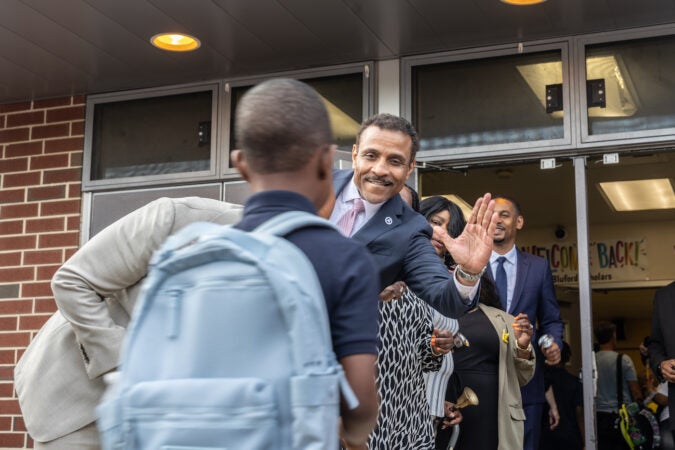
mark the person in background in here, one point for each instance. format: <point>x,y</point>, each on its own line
<point>662,345</point>
<point>409,348</point>
<point>443,213</point>
<point>568,397</point>
<point>607,402</point>
<point>59,379</point>
<point>498,362</point>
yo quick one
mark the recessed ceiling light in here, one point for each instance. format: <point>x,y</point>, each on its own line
<point>639,195</point>
<point>175,42</point>
<point>523,2</point>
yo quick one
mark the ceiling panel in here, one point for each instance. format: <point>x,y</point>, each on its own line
<point>54,48</point>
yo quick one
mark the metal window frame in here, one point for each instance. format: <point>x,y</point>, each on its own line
<point>510,150</point>
<point>368,94</point>
<point>149,180</point>
<point>628,137</point>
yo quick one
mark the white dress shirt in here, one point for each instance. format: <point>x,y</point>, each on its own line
<point>510,266</point>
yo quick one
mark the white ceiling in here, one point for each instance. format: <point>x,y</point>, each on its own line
<point>54,48</point>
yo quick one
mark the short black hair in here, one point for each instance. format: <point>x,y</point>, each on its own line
<point>514,202</point>
<point>415,198</point>
<point>391,122</point>
<point>279,124</point>
<point>433,205</point>
<point>604,331</point>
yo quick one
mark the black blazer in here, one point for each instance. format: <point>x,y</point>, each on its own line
<point>662,346</point>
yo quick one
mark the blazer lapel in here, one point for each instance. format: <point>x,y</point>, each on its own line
<point>340,179</point>
<point>523,265</point>
<point>387,218</point>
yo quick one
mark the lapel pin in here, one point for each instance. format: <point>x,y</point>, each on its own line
<point>505,336</point>
<point>388,220</point>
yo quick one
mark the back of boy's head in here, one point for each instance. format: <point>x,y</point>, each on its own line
<point>280,123</point>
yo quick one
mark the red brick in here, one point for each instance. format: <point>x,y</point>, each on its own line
<point>51,102</point>
<point>50,131</point>
<point>29,442</point>
<point>65,114</point>
<point>73,223</point>
<point>78,99</point>
<point>23,149</point>
<point>21,179</point>
<point>14,135</point>
<point>61,176</point>
<point>6,422</point>
<point>11,227</point>
<point>33,322</point>
<point>58,240</point>
<point>46,193</point>
<point>27,118</point>
<point>7,373</point>
<point>17,274</point>
<point>2,121</point>
<point>39,289</point>
<point>19,424</point>
<point>49,162</point>
<point>14,211</point>
<point>68,252</point>
<point>16,306</point>
<point>77,128</point>
<point>75,190</point>
<point>11,107</point>
<point>46,272</point>
<point>17,242</point>
<point>9,324</point>
<point>45,225</point>
<point>13,165</point>
<point>6,357</point>
<point>10,259</point>
<point>76,159</point>
<point>12,440</point>
<point>21,351</point>
<point>64,145</point>
<point>12,195</point>
<point>60,207</point>
<point>43,257</point>
<point>45,306</point>
<point>13,339</point>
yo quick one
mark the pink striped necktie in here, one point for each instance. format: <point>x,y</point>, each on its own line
<point>346,222</point>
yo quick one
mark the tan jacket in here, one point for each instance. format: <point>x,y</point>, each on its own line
<point>59,378</point>
<point>514,372</point>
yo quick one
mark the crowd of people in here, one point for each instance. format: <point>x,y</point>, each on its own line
<point>422,302</point>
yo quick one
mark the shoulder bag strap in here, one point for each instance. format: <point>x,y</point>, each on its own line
<point>619,379</point>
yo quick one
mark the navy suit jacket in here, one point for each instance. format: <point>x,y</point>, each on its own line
<point>398,238</point>
<point>534,295</point>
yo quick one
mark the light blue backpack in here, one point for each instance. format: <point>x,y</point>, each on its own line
<point>229,348</point>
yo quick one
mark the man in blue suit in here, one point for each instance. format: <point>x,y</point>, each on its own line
<point>525,285</point>
<point>369,209</point>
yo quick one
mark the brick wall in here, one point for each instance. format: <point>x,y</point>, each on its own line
<point>41,146</point>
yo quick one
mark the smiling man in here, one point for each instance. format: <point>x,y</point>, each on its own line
<point>369,209</point>
<point>525,285</point>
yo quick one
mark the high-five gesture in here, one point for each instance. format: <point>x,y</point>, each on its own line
<point>473,247</point>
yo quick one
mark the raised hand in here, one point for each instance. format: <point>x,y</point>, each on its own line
<point>473,247</point>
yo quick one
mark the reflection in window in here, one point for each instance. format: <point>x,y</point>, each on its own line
<point>152,136</point>
<point>343,96</point>
<point>638,78</point>
<point>488,101</point>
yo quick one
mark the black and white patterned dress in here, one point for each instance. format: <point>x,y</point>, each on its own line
<point>404,421</point>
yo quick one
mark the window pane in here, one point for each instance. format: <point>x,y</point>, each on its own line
<point>152,136</point>
<point>638,78</point>
<point>343,95</point>
<point>488,101</point>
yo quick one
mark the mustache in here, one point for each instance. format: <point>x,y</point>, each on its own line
<point>384,180</point>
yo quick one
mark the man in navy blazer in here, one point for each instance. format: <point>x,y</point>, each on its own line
<point>528,289</point>
<point>398,238</point>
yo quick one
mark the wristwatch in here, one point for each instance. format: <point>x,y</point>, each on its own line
<point>467,276</point>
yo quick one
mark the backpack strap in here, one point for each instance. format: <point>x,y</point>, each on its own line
<point>619,379</point>
<point>286,223</point>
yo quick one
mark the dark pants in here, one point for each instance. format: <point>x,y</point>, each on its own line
<point>533,414</point>
<point>609,433</point>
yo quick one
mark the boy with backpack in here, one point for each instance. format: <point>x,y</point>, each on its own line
<point>260,377</point>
